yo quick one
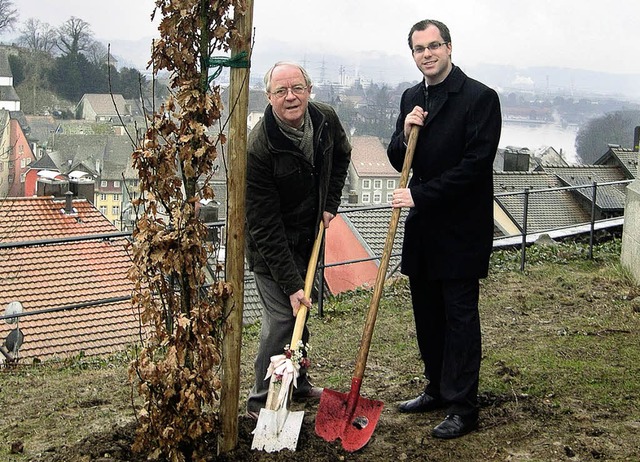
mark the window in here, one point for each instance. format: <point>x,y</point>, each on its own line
<point>377,184</point>
<point>366,184</point>
<point>389,197</point>
<point>103,197</point>
<point>116,197</point>
<point>103,184</point>
<point>21,149</point>
<point>391,184</point>
<point>116,184</point>
<point>103,209</point>
<point>23,163</point>
<point>366,198</point>
<point>377,198</point>
<point>115,210</point>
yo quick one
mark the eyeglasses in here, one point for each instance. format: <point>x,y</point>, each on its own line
<point>282,92</point>
<point>433,46</point>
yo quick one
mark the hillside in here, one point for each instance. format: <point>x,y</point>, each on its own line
<point>558,380</point>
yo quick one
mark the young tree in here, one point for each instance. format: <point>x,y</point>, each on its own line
<point>177,370</point>
<point>8,16</point>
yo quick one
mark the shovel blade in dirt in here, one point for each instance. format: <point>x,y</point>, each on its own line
<point>277,430</point>
<point>349,417</point>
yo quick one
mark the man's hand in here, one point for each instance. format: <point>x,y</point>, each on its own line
<point>415,117</point>
<point>402,198</point>
<point>298,299</point>
<point>326,218</point>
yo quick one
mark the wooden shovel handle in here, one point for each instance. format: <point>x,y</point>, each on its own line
<point>301,316</point>
<point>365,343</point>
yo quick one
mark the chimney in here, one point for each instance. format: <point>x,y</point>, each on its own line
<point>636,138</point>
<point>353,197</point>
<point>68,206</point>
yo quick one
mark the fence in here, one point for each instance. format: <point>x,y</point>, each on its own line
<point>525,237</point>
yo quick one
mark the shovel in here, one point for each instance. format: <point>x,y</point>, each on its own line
<point>277,428</point>
<point>351,417</point>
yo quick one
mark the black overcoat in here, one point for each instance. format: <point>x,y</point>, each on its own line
<point>449,232</point>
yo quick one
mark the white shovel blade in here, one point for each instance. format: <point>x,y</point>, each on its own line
<point>277,430</point>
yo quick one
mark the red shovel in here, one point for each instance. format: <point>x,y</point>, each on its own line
<point>351,417</point>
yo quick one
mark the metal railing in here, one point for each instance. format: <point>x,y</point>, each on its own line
<point>575,229</point>
<point>523,239</point>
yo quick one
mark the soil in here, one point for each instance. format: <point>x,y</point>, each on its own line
<point>530,409</point>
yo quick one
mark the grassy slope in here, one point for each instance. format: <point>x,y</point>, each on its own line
<point>559,377</point>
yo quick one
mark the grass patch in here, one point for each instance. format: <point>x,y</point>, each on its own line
<point>559,377</point>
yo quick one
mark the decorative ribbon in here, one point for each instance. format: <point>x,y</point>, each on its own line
<point>281,366</point>
<point>218,62</point>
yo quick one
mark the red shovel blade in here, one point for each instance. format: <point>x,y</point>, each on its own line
<point>351,417</point>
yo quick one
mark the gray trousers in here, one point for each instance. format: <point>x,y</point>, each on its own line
<point>277,328</point>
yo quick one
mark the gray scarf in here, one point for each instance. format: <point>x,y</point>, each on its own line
<point>302,138</point>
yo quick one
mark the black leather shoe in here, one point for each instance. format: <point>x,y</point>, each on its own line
<point>455,425</point>
<point>423,403</point>
<point>312,393</point>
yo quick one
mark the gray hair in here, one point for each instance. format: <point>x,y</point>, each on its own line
<point>267,76</point>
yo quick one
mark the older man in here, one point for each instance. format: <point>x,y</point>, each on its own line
<point>298,155</point>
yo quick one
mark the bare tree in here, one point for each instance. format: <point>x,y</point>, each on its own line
<point>37,36</point>
<point>74,36</point>
<point>8,16</point>
<point>96,53</point>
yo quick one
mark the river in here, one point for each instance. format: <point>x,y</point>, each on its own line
<point>535,136</point>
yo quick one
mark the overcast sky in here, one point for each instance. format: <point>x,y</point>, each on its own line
<point>579,34</point>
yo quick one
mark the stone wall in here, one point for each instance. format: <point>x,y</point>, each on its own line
<point>630,255</point>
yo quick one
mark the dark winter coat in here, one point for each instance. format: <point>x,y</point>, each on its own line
<point>449,232</point>
<point>286,194</point>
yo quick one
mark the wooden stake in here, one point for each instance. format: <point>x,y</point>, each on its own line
<point>234,256</point>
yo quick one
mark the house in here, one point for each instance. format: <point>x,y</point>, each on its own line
<point>6,152</point>
<point>15,155</point>
<point>625,158</point>
<point>103,107</point>
<point>75,294</point>
<point>370,179</point>
<point>609,198</point>
<point>20,158</point>
<point>545,211</point>
<point>9,99</point>
<point>522,159</point>
<point>38,130</point>
<point>105,158</point>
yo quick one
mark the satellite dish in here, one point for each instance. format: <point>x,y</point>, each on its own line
<point>13,308</point>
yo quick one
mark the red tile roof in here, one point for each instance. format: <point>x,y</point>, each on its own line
<point>34,218</point>
<point>46,276</point>
<point>369,158</point>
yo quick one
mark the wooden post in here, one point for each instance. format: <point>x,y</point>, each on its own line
<point>234,256</point>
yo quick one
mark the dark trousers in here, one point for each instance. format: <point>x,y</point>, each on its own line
<point>275,333</point>
<point>448,330</point>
